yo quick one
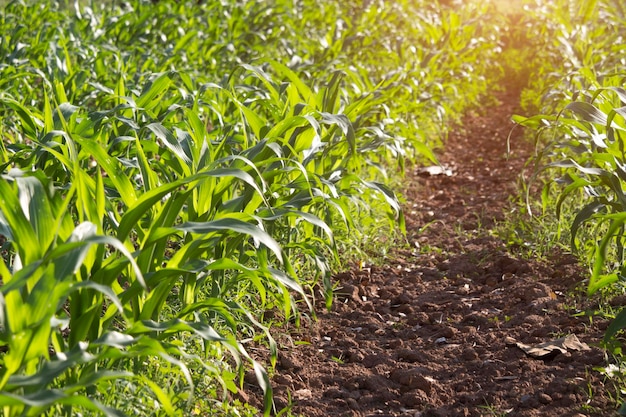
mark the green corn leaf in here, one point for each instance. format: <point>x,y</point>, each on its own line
<point>236,173</point>
<point>265,79</point>
<point>106,290</point>
<point>585,170</point>
<point>588,112</point>
<point>116,175</point>
<point>52,369</point>
<point>254,120</point>
<point>621,93</point>
<point>15,220</point>
<point>30,123</point>
<point>534,122</point>
<point>153,90</point>
<point>184,41</point>
<point>69,257</point>
<point>145,347</point>
<point>304,91</point>
<point>599,280</point>
<point>89,379</point>
<point>233,225</point>
<point>65,116</point>
<point>153,248</point>
<point>175,326</point>
<point>264,382</point>
<point>144,205</point>
<point>161,283</point>
<point>115,339</point>
<point>198,133</point>
<point>330,94</point>
<point>301,215</point>
<point>28,346</point>
<point>578,183</point>
<point>344,124</point>
<point>42,400</point>
<point>587,9</point>
<point>147,200</point>
<point>288,283</point>
<point>387,193</point>
<point>214,305</point>
<point>618,323</point>
<point>582,216</point>
<point>50,145</point>
<point>47,114</point>
<point>287,124</point>
<point>252,275</point>
<point>36,205</point>
<point>161,395</point>
<point>171,142</point>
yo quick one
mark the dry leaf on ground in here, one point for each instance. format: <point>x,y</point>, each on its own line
<point>561,345</point>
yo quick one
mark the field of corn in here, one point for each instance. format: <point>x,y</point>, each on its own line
<point>179,177</point>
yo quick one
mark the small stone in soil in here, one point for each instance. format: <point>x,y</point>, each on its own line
<point>412,356</point>
<point>370,361</point>
<point>545,398</point>
<point>528,401</point>
<point>414,398</point>
<point>303,394</point>
<point>353,404</point>
<point>413,379</point>
<point>469,354</point>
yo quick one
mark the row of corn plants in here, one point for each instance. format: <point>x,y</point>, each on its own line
<point>579,132</point>
<point>578,91</point>
<point>171,171</point>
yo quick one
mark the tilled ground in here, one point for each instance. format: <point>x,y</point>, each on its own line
<point>433,332</point>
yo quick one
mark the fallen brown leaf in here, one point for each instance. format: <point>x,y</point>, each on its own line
<point>561,345</point>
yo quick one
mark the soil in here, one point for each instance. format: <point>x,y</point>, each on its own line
<point>434,331</point>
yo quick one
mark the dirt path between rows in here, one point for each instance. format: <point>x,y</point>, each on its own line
<point>433,332</point>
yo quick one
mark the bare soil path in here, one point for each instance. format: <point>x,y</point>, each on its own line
<point>433,332</point>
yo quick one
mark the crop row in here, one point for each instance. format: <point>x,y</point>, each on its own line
<point>579,93</point>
